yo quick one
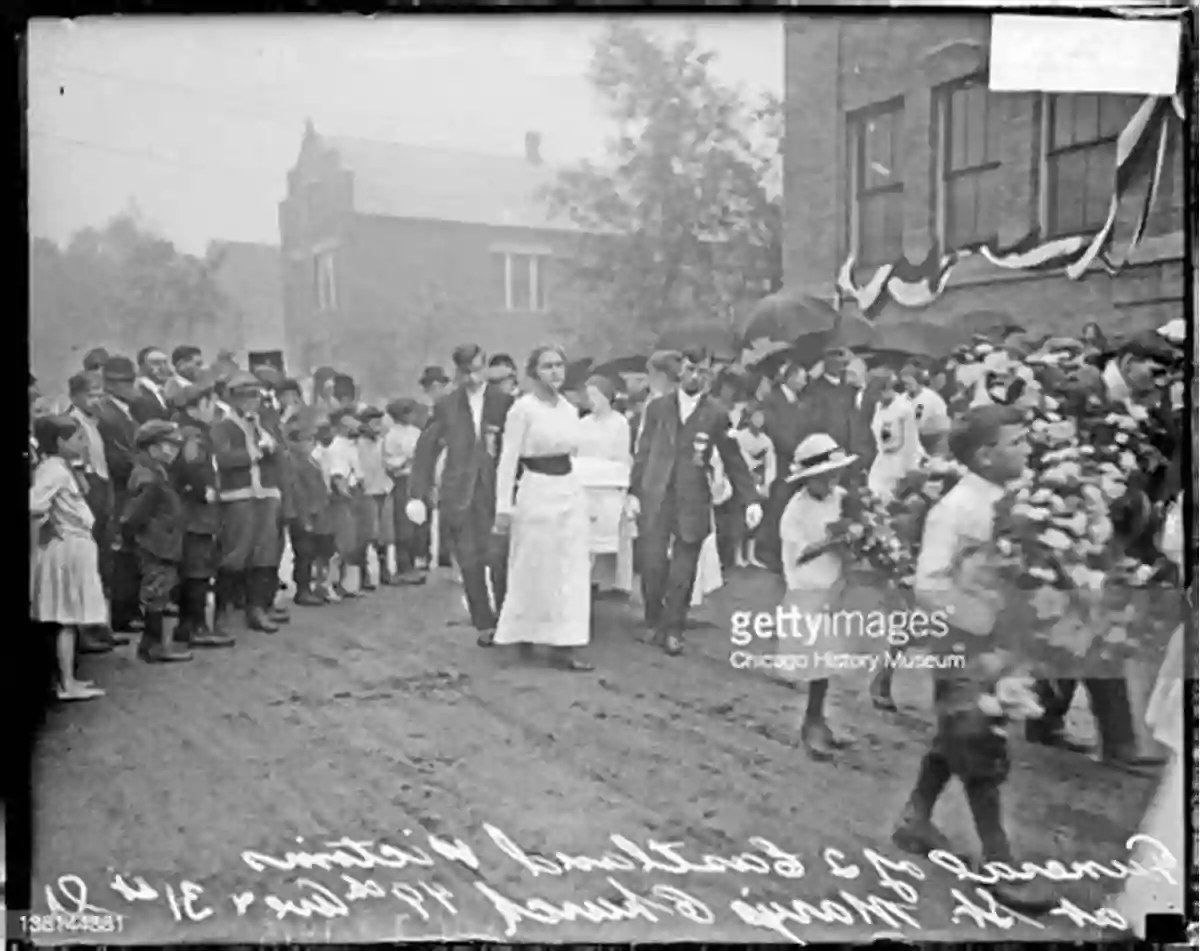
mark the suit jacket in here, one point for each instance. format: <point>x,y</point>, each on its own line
<point>666,458</point>
<point>147,406</point>
<point>829,408</point>
<point>471,454</point>
<point>784,426</point>
<point>118,429</point>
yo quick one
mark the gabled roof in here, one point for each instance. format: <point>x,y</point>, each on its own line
<point>413,181</point>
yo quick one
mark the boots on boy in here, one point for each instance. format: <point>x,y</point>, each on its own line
<point>156,646</point>
<point>196,602</point>
<point>260,593</point>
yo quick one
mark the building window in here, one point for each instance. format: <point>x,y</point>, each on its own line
<point>521,280</point>
<point>1080,133</point>
<point>969,125</point>
<point>876,193</point>
<point>324,283</point>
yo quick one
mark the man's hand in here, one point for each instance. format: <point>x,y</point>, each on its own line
<point>633,508</point>
<point>415,510</point>
<point>503,523</point>
<point>753,515</point>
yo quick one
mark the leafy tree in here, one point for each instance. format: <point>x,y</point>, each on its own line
<point>120,286</point>
<point>683,221</point>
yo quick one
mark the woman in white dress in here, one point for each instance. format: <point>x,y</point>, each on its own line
<point>604,463</point>
<point>898,442</point>
<point>549,566</point>
<point>1164,821</point>
<point>65,587</point>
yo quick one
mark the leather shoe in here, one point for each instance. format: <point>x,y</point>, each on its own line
<point>672,644</point>
<point>257,620</point>
<point>486,638</point>
<point>817,742</point>
<point>919,836</point>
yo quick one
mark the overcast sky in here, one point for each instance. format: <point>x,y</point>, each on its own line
<point>198,120</point>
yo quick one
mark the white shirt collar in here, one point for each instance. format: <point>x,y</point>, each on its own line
<point>832,380</point>
<point>982,488</point>
<point>687,405</point>
<point>788,393</point>
<point>151,386</point>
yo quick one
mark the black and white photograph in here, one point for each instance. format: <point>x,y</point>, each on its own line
<point>610,477</point>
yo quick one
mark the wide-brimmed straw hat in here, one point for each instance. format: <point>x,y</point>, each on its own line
<point>816,455</point>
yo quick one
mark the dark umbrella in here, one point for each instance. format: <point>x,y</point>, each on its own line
<point>922,339</point>
<point>621,365</point>
<point>854,333</point>
<point>577,373</point>
<point>991,323</point>
<point>715,338</point>
<point>786,316</point>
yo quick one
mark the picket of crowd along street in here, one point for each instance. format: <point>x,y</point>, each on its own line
<point>608,478</point>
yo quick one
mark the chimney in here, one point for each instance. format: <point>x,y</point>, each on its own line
<point>533,148</point>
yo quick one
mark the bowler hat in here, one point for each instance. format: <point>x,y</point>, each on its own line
<point>155,431</point>
<point>369,413</point>
<point>119,370</point>
<point>432,375</point>
<point>95,359</point>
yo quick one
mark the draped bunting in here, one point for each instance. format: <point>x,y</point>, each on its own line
<point>1141,151</point>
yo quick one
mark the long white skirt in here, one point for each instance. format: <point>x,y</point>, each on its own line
<point>549,565</point>
<point>708,571</point>
<point>65,583</point>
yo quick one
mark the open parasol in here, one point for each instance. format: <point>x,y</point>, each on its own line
<point>786,316</point>
<point>620,365</point>
<point>994,324</point>
<point>854,333</point>
<point>922,339</point>
<point>577,373</point>
<point>717,339</point>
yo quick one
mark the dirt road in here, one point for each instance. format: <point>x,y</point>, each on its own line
<point>461,773</point>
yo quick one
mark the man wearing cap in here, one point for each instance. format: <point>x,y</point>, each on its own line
<point>154,369</point>
<point>196,477</point>
<point>94,360</point>
<point>250,499</point>
<point>152,521</point>
<point>670,493</point>
<point>434,384</point>
<point>114,419</point>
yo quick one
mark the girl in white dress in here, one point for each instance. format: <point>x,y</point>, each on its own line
<point>1164,821</point>
<point>549,565</point>
<point>898,442</point>
<point>813,571</point>
<point>605,462</point>
<point>65,585</point>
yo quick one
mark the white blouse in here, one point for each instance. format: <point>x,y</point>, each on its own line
<point>533,428</point>
<point>805,523</point>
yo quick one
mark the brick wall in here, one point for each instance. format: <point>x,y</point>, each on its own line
<point>407,293</point>
<point>837,66</point>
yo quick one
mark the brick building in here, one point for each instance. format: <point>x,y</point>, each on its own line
<point>894,146</point>
<point>393,254</point>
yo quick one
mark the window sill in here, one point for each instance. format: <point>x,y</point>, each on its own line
<point>977,270</point>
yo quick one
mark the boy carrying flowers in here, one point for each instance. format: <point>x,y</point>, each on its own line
<point>973,702</point>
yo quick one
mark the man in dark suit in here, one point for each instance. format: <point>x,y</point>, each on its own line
<point>467,423</point>
<point>150,399</point>
<point>834,405</point>
<point>672,497</point>
<point>785,428</point>
<point>118,429</point>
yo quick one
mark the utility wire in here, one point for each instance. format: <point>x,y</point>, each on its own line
<point>240,171</point>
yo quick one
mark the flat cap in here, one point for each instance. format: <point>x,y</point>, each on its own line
<point>399,408</point>
<point>155,431</point>
<point>432,375</point>
<point>268,375</point>
<point>119,370</point>
<point>369,413</point>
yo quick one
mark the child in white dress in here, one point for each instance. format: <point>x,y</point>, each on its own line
<point>897,440</point>
<point>65,578</point>
<point>812,568</point>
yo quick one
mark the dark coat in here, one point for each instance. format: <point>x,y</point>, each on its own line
<point>829,408</point>
<point>666,458</point>
<point>308,493</point>
<point>118,429</point>
<point>195,477</point>
<point>470,456</point>
<point>153,515</point>
<point>784,425</point>
<point>147,406</point>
